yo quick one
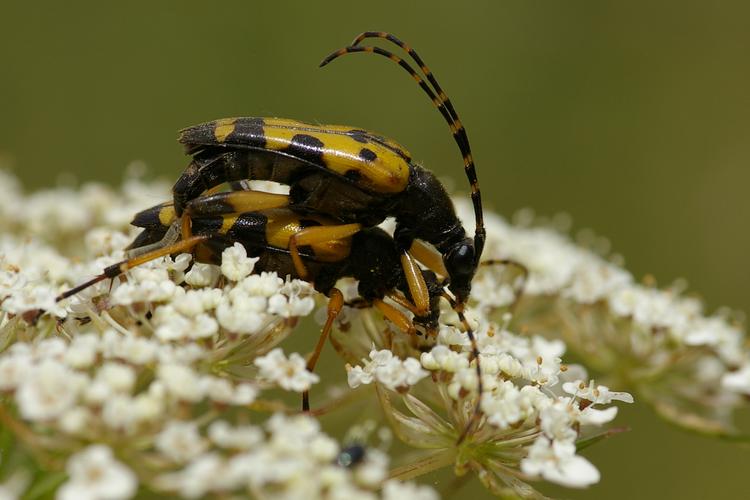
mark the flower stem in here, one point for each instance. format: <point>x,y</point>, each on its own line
<point>431,462</point>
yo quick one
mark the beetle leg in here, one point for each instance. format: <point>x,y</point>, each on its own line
<point>121,267</point>
<point>335,304</point>
<point>399,299</point>
<point>417,285</point>
<point>171,235</point>
<point>317,234</point>
<point>428,256</point>
<point>395,316</point>
<point>403,302</point>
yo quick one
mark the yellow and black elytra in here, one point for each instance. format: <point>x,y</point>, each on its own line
<point>267,228</point>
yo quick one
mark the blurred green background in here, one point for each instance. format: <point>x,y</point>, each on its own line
<point>634,117</point>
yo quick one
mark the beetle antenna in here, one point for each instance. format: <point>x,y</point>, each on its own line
<point>476,414</point>
<point>442,102</point>
<point>475,354</point>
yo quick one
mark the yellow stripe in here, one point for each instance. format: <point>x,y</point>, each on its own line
<point>387,173</point>
<point>224,127</point>
<point>167,215</point>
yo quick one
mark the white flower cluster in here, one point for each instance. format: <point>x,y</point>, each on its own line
<point>95,473</point>
<point>385,368</point>
<point>619,326</point>
<point>89,385</point>
<point>175,365</point>
<point>289,373</point>
<point>147,362</point>
<point>521,377</point>
<point>291,459</point>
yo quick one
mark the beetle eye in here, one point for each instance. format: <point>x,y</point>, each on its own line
<point>461,260</point>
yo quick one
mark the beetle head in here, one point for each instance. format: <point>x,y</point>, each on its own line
<point>460,262</point>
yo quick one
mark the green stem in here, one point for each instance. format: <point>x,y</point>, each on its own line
<point>431,462</point>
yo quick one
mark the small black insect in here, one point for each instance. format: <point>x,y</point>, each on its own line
<point>351,456</point>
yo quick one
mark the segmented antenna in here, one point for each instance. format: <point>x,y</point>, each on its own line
<point>441,101</point>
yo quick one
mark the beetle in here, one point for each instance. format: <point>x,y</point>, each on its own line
<point>347,173</point>
<point>265,226</point>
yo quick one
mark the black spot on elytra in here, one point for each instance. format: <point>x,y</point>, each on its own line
<point>248,132</point>
<point>249,226</point>
<point>210,205</point>
<point>208,226</point>
<point>367,154</point>
<point>358,135</point>
<point>306,147</point>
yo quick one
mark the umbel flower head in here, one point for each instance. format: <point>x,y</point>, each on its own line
<point>178,379</point>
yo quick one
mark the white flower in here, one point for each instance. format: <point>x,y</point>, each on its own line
<point>206,473</point>
<point>148,407</point>
<point>95,474</point>
<point>136,350</point>
<point>146,284</point>
<point>49,389</point>
<point>244,394</point>
<point>506,405</point>
<point>102,241</point>
<point>171,325</point>
<point>357,376</point>
<point>76,420</point>
<point>119,377</point>
<point>395,490</point>
<point>180,441</point>
<point>235,264</point>
<point>557,462</point>
<point>737,381</point>
<point>181,381</point>
<point>557,419</point>
<point>201,275</point>
<point>239,312</point>
<point>596,394</point>
<point>388,370</point>
<point>442,358</point>
<point>194,302</point>
<point>373,470</point>
<point>14,369</point>
<point>82,351</point>
<point>223,391</point>
<point>118,412</point>
<point>288,307</point>
<point>32,298</point>
<point>243,437</point>
<point>262,285</point>
<point>291,374</point>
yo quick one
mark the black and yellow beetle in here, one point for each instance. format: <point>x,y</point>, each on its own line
<point>347,173</point>
<point>266,227</point>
